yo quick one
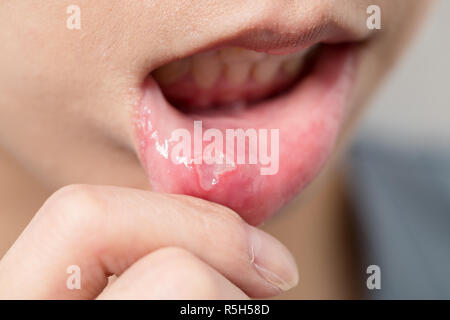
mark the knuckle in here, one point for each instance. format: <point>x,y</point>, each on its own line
<point>74,206</point>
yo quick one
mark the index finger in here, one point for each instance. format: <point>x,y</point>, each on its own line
<point>104,230</point>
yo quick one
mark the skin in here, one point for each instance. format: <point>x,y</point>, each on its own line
<point>66,103</point>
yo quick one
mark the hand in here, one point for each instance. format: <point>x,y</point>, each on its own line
<point>160,246</point>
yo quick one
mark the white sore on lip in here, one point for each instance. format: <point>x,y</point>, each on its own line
<point>209,174</point>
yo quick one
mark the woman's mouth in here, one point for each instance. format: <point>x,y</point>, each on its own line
<point>248,129</point>
<point>227,78</point>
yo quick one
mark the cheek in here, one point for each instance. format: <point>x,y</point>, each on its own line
<point>63,103</point>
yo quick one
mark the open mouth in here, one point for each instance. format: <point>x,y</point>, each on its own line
<point>230,78</point>
<point>291,105</point>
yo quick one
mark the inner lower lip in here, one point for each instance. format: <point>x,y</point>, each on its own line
<point>308,119</point>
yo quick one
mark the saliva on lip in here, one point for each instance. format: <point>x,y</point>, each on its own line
<point>209,169</point>
<point>209,174</point>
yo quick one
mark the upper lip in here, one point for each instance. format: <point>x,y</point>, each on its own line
<point>278,31</point>
<point>275,35</point>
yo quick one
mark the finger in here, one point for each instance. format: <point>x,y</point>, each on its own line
<point>104,230</point>
<point>172,273</point>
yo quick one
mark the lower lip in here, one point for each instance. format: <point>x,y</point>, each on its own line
<point>308,118</point>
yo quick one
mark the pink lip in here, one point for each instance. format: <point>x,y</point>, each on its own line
<point>309,118</point>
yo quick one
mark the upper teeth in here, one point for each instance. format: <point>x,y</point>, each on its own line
<point>172,72</point>
<point>206,69</point>
<point>237,73</point>
<point>234,55</point>
<point>237,65</point>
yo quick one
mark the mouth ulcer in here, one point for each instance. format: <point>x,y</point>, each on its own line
<point>303,96</point>
<point>229,77</point>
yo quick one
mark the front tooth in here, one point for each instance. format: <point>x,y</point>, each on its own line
<point>292,66</point>
<point>206,69</point>
<point>237,73</point>
<point>172,72</point>
<point>266,70</point>
<point>236,55</point>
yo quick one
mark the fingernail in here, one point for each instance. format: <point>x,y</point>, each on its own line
<point>272,260</point>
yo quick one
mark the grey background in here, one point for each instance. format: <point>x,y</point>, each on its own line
<point>413,105</point>
<point>399,169</point>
